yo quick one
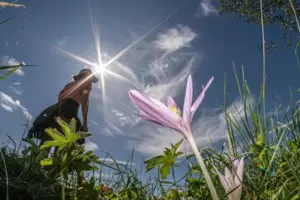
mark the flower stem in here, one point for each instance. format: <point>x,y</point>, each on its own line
<point>210,184</point>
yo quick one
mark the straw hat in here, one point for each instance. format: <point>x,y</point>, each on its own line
<point>84,73</point>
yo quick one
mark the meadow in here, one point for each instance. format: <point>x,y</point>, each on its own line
<point>260,159</point>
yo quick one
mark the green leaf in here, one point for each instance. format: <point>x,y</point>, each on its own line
<point>292,145</point>
<point>295,197</point>
<point>55,135</point>
<point>256,148</point>
<point>72,125</point>
<point>8,73</point>
<point>177,145</point>
<point>82,135</point>
<point>29,141</point>
<point>260,140</point>
<point>165,170</point>
<point>46,162</point>
<point>52,143</point>
<point>154,162</point>
<point>72,137</point>
<point>264,156</point>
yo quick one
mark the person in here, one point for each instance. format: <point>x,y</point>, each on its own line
<point>75,94</point>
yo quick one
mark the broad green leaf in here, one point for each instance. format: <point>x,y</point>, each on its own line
<point>177,145</point>
<point>55,135</point>
<point>154,162</point>
<point>52,143</point>
<point>72,137</point>
<point>46,162</point>
<point>81,135</point>
<point>72,125</point>
<point>165,170</point>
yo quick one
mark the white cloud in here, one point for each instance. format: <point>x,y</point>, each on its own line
<point>111,161</point>
<point>16,88</point>
<point>175,38</point>
<point>90,146</point>
<point>9,61</point>
<point>11,105</point>
<point>16,83</point>
<point>206,8</point>
<point>150,70</point>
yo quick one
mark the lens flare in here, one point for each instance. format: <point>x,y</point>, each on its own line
<point>101,68</point>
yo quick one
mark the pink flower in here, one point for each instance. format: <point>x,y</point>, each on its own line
<point>170,116</point>
<point>232,183</point>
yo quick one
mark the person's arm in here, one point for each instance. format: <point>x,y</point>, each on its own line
<point>85,107</point>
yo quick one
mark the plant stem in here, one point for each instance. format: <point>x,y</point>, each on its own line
<point>159,182</point>
<point>62,185</point>
<point>210,184</point>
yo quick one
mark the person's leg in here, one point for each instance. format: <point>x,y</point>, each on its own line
<point>79,127</point>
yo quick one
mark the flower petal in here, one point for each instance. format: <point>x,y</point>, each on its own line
<point>188,100</point>
<point>186,129</point>
<point>239,171</point>
<point>156,110</point>
<point>148,118</point>
<point>171,102</point>
<point>229,178</point>
<point>224,182</point>
<point>236,164</point>
<point>200,97</point>
<point>237,193</point>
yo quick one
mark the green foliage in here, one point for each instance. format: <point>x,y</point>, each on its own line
<point>11,69</point>
<point>275,12</point>
<point>166,161</point>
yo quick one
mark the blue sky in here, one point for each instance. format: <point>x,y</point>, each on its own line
<point>195,40</point>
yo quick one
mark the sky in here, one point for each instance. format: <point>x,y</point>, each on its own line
<point>182,38</point>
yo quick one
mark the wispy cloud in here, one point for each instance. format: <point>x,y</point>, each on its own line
<point>120,162</point>
<point>175,38</point>
<point>155,68</point>
<point>205,8</point>
<point>11,105</point>
<point>90,146</point>
<point>159,69</point>
<point>8,61</point>
<point>16,88</point>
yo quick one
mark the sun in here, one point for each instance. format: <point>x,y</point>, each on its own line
<point>99,69</point>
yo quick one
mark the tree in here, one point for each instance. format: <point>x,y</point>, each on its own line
<point>275,12</point>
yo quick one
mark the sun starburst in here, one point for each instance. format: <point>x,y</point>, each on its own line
<point>101,68</point>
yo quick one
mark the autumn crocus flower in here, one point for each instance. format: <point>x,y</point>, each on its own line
<point>170,116</point>
<point>232,182</point>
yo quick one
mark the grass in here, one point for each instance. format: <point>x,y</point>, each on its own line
<point>269,144</point>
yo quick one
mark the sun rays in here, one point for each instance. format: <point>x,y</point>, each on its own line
<point>102,69</point>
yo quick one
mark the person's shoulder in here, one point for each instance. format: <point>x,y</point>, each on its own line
<point>69,84</point>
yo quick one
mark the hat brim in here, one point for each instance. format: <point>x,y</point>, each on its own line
<point>80,76</point>
<point>95,79</point>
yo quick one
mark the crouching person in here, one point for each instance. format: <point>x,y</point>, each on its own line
<point>74,95</point>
